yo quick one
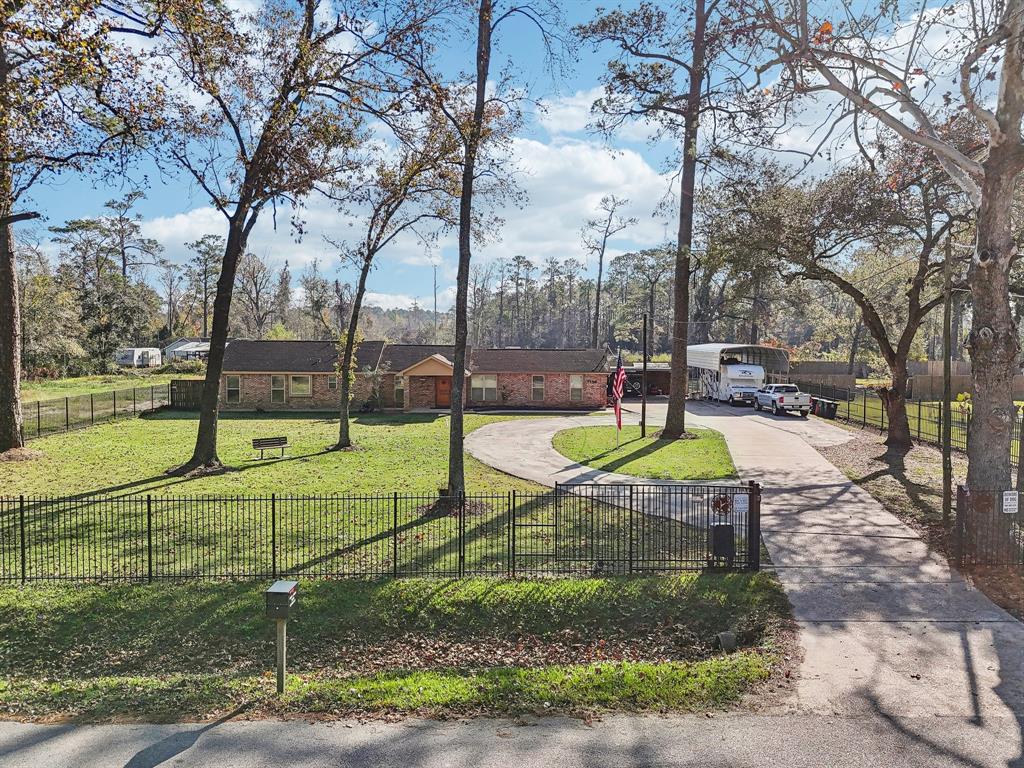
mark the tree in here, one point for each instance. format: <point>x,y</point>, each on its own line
<point>254,284</point>
<point>170,281</point>
<point>483,115</point>
<point>650,265</point>
<point>283,294</point>
<point>271,117</point>
<point>203,270</point>
<point>883,67</point>
<point>670,79</point>
<point>412,193</point>
<point>896,225</point>
<point>71,97</point>
<point>596,233</point>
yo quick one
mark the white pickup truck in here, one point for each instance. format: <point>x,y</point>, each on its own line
<point>779,398</point>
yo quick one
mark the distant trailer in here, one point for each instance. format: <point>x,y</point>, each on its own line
<point>734,372</point>
<point>138,357</point>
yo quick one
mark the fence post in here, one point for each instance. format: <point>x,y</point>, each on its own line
<point>134,398</point>
<point>67,420</point>
<point>462,534</point>
<point>512,522</point>
<point>508,534</point>
<point>92,409</point>
<point>394,538</point>
<point>273,534</point>
<point>754,527</point>
<point>21,526</point>
<point>149,538</point>
<point>631,528</point>
<point>960,525</point>
<point>39,419</point>
<point>114,393</point>
<point>864,409</point>
<point>152,396</point>
<point>918,419</point>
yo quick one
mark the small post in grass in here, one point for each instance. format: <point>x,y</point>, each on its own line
<point>281,598</point>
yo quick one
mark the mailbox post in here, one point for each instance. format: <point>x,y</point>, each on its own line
<point>281,597</point>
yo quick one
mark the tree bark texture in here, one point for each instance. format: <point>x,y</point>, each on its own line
<point>675,420</point>
<point>344,436</point>
<point>992,341</point>
<point>456,472</point>
<point>11,435</point>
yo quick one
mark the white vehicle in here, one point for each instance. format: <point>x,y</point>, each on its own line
<point>138,357</point>
<point>732,373</point>
<point>783,398</point>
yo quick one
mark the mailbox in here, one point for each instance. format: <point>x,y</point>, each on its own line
<point>281,597</point>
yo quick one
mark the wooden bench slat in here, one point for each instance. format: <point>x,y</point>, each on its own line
<point>262,444</point>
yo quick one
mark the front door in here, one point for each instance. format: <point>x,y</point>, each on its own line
<point>442,392</point>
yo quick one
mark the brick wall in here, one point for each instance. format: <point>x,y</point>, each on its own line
<point>515,390</point>
<point>255,394</point>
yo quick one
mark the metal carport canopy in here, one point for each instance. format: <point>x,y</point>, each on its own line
<point>709,356</point>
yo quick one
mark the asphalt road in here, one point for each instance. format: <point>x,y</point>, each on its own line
<point>728,741</point>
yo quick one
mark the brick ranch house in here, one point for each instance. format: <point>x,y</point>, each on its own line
<point>302,376</point>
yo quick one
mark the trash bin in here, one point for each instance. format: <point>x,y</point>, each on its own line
<point>831,407</point>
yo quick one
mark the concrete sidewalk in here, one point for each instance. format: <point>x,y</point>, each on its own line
<point>889,630</point>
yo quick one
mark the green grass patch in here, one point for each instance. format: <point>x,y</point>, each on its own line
<point>396,452</point>
<point>169,651</point>
<point>705,457</point>
<point>49,389</point>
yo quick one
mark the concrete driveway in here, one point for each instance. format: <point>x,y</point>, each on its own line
<point>889,630</point>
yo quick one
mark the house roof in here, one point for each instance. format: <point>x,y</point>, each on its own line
<point>244,356</point>
<point>541,360</point>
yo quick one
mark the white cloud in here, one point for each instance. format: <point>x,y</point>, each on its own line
<point>569,114</point>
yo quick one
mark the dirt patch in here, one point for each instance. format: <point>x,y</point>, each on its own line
<point>912,491</point>
<point>21,454</point>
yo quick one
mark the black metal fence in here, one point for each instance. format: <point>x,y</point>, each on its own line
<point>572,530</point>
<point>989,528</point>
<point>863,407</point>
<point>47,417</point>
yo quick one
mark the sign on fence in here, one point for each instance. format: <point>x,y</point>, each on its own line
<point>1010,502</point>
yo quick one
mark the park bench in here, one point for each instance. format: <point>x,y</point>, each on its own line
<point>262,444</point>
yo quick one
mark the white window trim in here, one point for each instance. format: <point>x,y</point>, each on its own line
<point>534,387</point>
<point>309,381</point>
<point>283,389</point>
<point>228,389</point>
<point>573,390</point>
<point>483,388</point>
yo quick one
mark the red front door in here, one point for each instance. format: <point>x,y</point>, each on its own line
<point>442,392</point>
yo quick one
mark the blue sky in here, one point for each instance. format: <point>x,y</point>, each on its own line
<point>564,171</point>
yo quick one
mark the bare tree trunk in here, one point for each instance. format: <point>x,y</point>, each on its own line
<point>10,345</point>
<point>344,438</point>
<point>456,473</point>
<point>675,420</point>
<point>894,399</point>
<point>992,341</point>
<point>595,330</point>
<point>205,453</point>
<point>855,346</point>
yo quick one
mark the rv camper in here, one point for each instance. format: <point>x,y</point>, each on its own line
<point>732,373</point>
<point>138,357</point>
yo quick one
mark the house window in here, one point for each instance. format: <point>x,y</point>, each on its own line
<point>234,387</point>
<point>300,386</point>
<point>537,390</point>
<point>576,389</point>
<point>484,387</point>
<point>332,382</point>
<point>277,389</point>
<point>399,390</point>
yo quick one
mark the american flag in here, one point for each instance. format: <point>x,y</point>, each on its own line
<point>618,385</point>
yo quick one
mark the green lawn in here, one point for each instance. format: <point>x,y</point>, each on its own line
<point>704,458</point>
<point>474,646</point>
<point>401,452</point>
<point>50,389</point>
